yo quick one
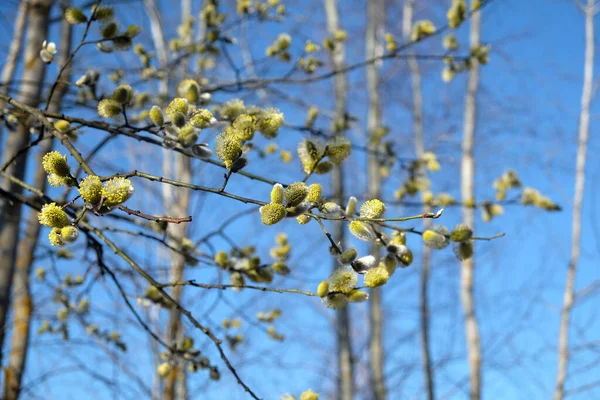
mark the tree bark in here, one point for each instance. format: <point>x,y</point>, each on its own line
<point>468,192</point>
<point>584,126</point>
<point>22,303</point>
<point>16,44</point>
<point>176,381</point>
<point>375,22</point>
<point>33,76</point>
<point>417,98</point>
<point>160,43</point>
<point>345,381</point>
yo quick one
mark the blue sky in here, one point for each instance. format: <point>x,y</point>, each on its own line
<point>528,116</point>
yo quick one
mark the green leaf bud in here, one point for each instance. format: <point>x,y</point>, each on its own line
<point>62,314</point>
<point>55,180</point>
<point>362,230</point>
<point>156,116</point>
<point>62,126</point>
<point>265,274</point>
<point>232,108</point>
<point>269,122</point>
<point>123,94</point>
<point>390,261</point>
<point>109,108</point>
<point>323,289</point>
<point>376,277</point>
<point>331,209</point>
<point>272,213</point>
<point>398,237</point>
<point>309,152</point>
<point>351,206</point>
<point>323,167</point>
<point>529,196</point>
<point>277,194</point>
<point>297,210</point>
<point>178,120</point>
<point>221,259</point>
<point>461,233</point>
<point>53,216</point>
<point>69,234</point>
<point>463,250</point>
<point>431,161</point>
<point>55,163</point>
<point>422,29</point>
<point>227,148</point>
<point>427,197</point>
<point>236,279</point>
<point>372,209</point>
<point>405,255</point>
<point>303,219</point>
<point>445,199</point>
<point>364,263</point>
<point>311,116</point>
<point>357,296</point>
<point>335,301</point>
<point>338,149</point>
<point>450,42</point>
<point>309,395</point>
<point>103,13</point>
<point>283,41</point>
<point>202,118</point>
<point>214,374</point>
<point>244,126</point>
<point>282,252</point>
<point>281,239</point>
<point>55,238</point>
<point>109,30</point>
<point>90,189</point>
<point>438,238</point>
<point>132,31</point>
<point>164,369</point>
<point>343,279</point>
<point>280,268</point>
<point>189,89</point>
<point>348,256</point>
<point>457,13</point>
<point>448,74</point>
<point>75,16</point>
<point>122,43</point>
<point>177,105</point>
<point>314,193</point>
<point>153,294</point>
<point>295,194</point>
<point>491,210</point>
<point>116,191</point>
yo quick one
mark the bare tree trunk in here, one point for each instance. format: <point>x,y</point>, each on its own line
<point>22,303</point>
<point>160,44</point>
<point>584,126</point>
<point>375,22</point>
<point>8,71</point>
<point>407,22</point>
<point>176,381</point>
<point>468,192</point>
<point>158,37</point>
<point>33,76</point>
<point>344,342</point>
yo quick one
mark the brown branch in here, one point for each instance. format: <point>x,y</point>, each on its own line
<point>149,217</point>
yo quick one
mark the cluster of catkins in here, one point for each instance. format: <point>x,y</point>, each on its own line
<point>101,197</point>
